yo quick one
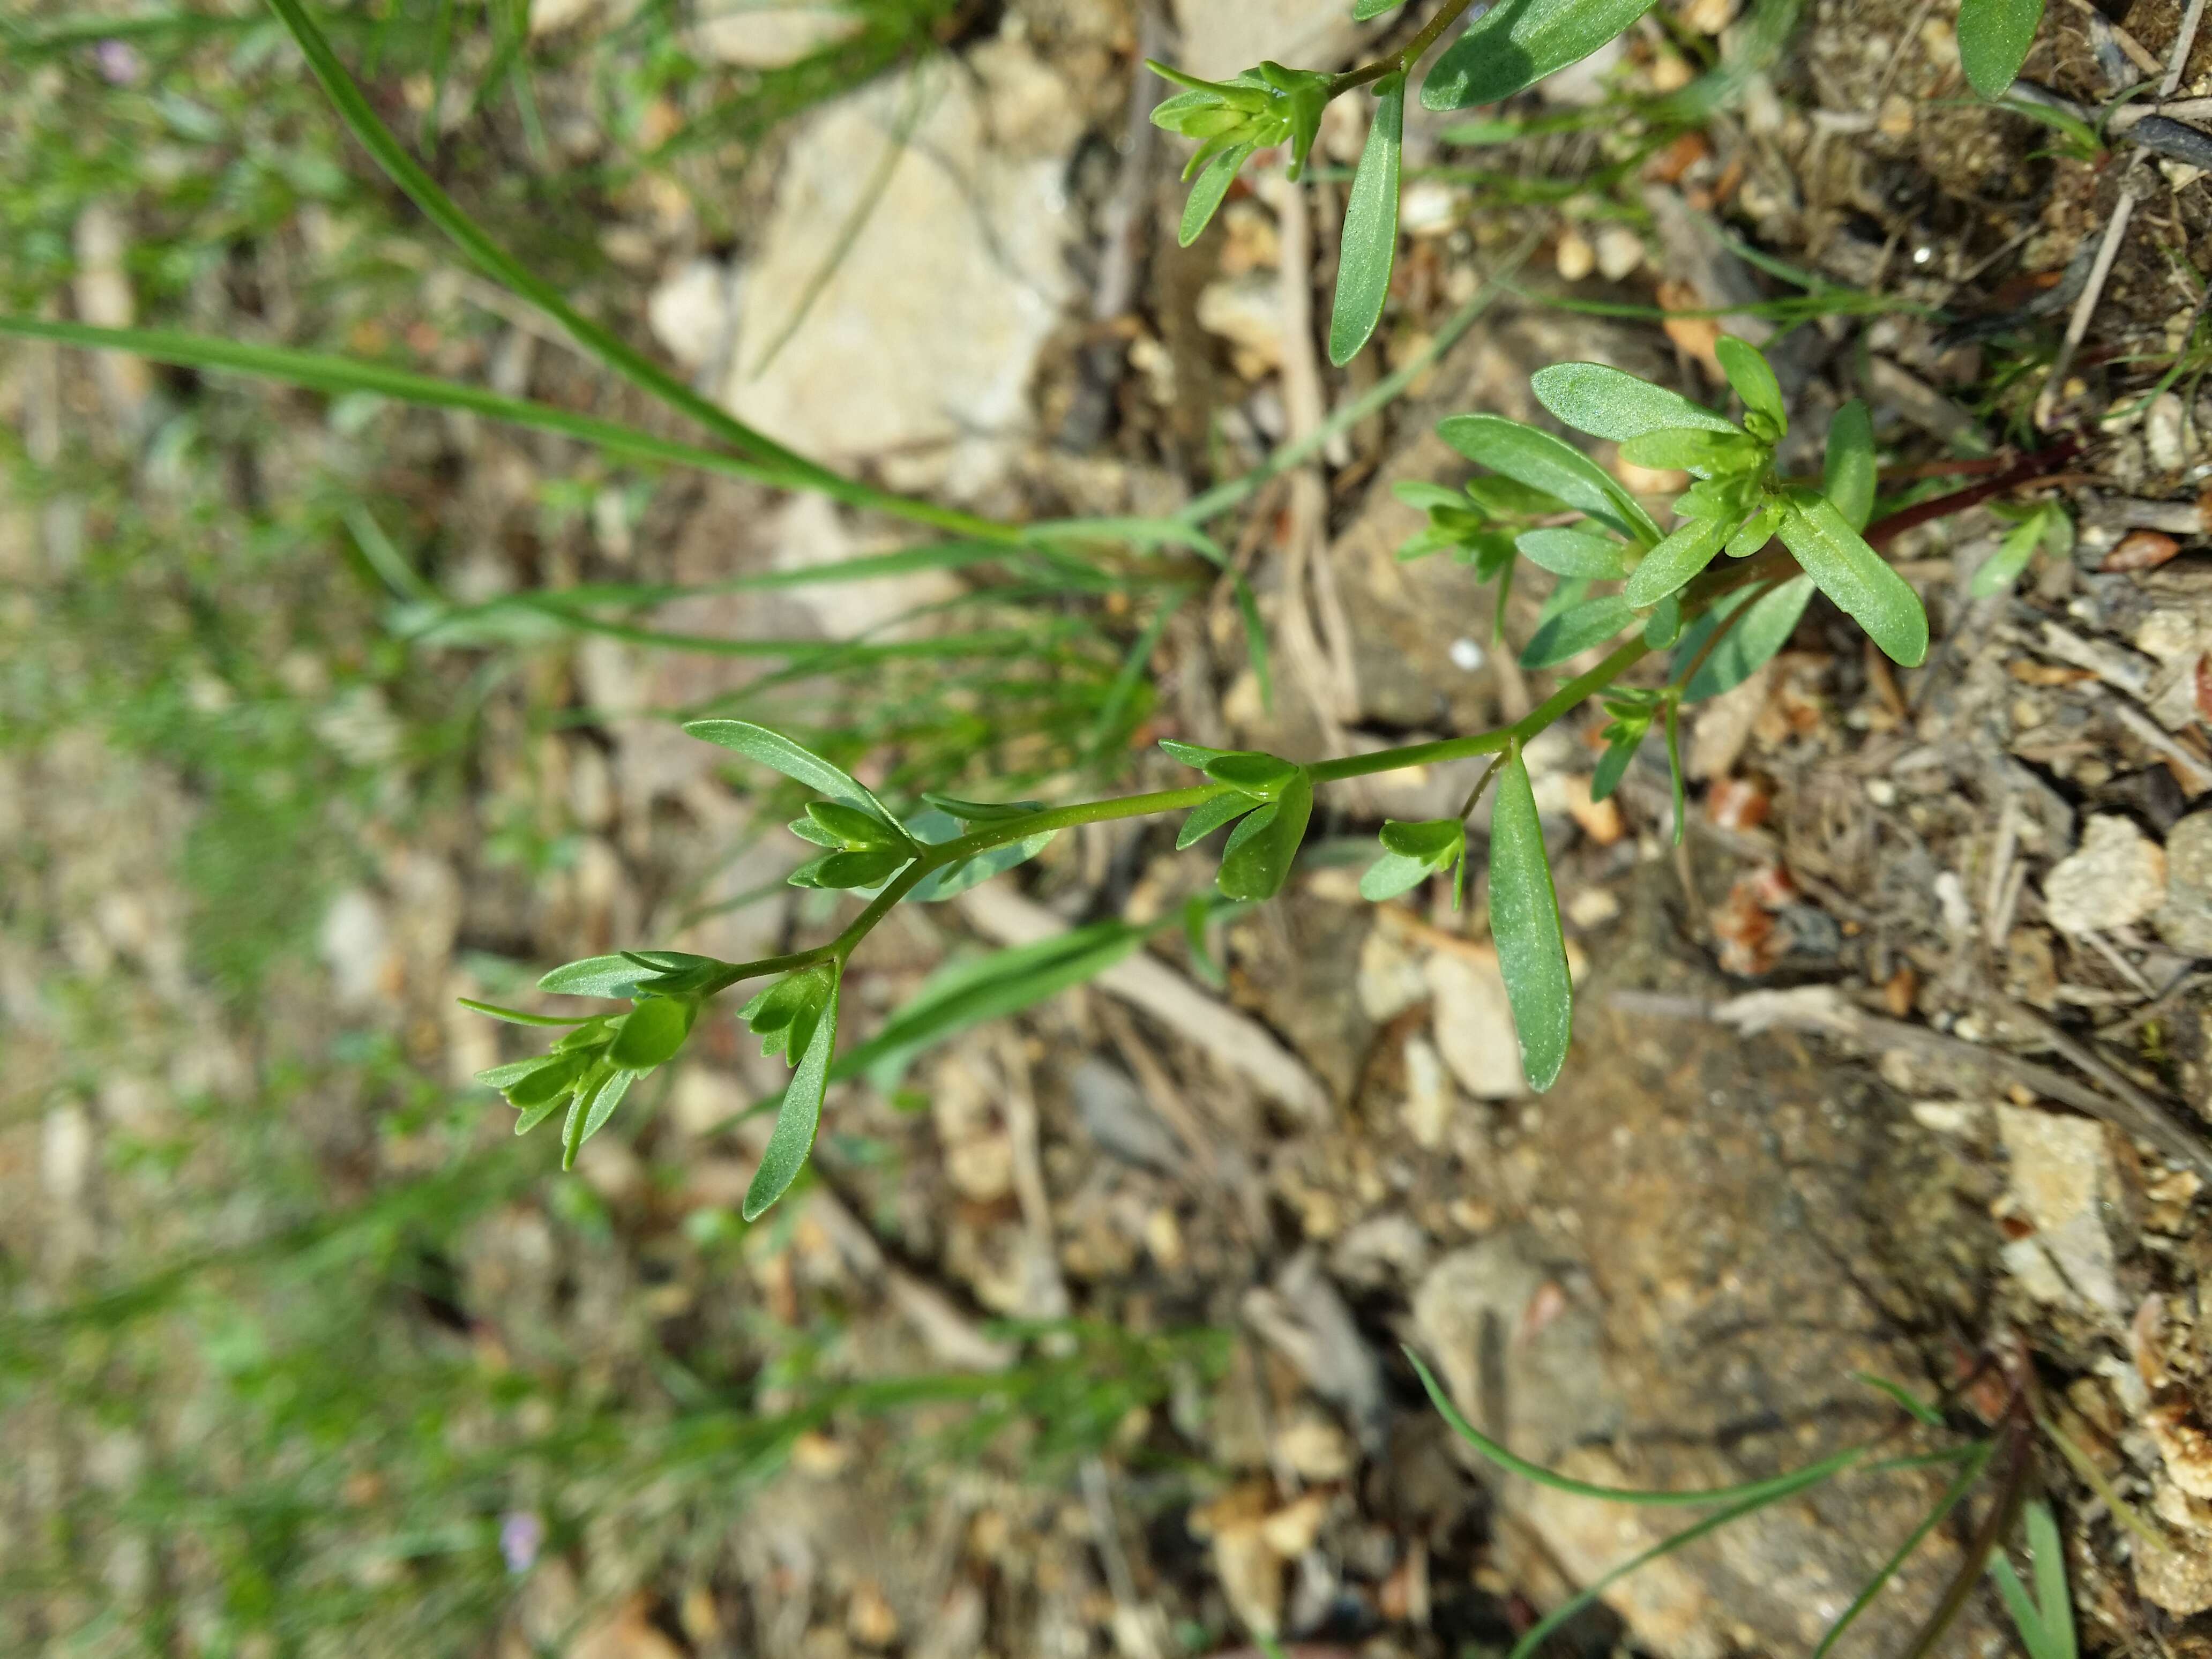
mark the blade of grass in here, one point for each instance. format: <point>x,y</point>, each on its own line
<point>1952,1494</point>
<point>1590,1592</point>
<point>598,341</point>
<point>1752,1492</point>
<point>321,372</point>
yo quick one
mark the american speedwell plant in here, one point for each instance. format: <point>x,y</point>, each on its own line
<point>1774,540</point>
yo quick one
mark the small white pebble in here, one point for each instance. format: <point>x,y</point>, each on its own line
<point>1467,655</point>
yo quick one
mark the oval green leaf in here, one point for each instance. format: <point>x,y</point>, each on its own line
<point>1263,776</point>
<point>1369,242</point>
<point>1392,874</point>
<point>1524,922</point>
<point>801,1114</point>
<point>1255,866</point>
<point>1841,564</point>
<point>1994,38</point>
<point>1606,403</point>
<point>1748,645</point>
<point>1848,480</point>
<point>1573,553</point>
<point>1207,194</point>
<point>651,1033</point>
<point>1575,629</point>
<point>1541,462</point>
<point>595,977</point>
<point>1209,815</point>
<point>1752,378</point>
<point>1675,561</point>
<point>774,749</point>
<point>1516,43</point>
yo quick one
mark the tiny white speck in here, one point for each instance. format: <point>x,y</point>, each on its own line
<point>1467,654</point>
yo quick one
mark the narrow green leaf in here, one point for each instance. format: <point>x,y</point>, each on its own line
<point>1994,38</point>
<point>2026,1617</point>
<point>1752,377</point>
<point>1516,43</point>
<point>1258,868</point>
<point>1613,765</point>
<point>1263,776</point>
<point>652,1033</point>
<point>1369,245</point>
<point>841,870</point>
<point>979,811</point>
<point>1524,922</point>
<point>1755,531</point>
<point>852,828</point>
<point>1675,561</point>
<point>796,1120</point>
<point>1195,753</point>
<point>1576,629</point>
<point>950,880</point>
<point>1750,643</point>
<point>1855,577</point>
<point>2001,568</point>
<point>2049,1566</point>
<point>594,977</point>
<point>1574,553</point>
<point>1606,403</point>
<point>537,1114</point>
<point>1209,815</point>
<point>579,1104</point>
<point>1439,841</point>
<point>1849,477</point>
<point>516,1016</point>
<point>1207,194</point>
<point>549,1082</point>
<point>1363,9</point>
<point>774,749</point>
<point>608,1097</point>
<point>1392,874</point>
<point>501,1077</point>
<point>1426,496</point>
<point>1542,462</point>
<point>1707,455</point>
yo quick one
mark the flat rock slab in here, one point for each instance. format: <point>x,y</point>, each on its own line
<point>1723,1225</point>
<point>933,287</point>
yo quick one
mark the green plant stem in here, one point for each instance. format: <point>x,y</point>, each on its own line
<point>1623,657</point>
<point>937,855</point>
<point>1401,62</point>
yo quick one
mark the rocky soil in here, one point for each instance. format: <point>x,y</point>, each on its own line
<point>1899,1065</point>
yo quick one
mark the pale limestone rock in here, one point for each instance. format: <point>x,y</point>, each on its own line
<point>918,348</point>
<point>1220,37</point>
<point>2115,877</point>
<point>689,313</point>
<point>1474,1023</point>
<point>752,35</point>
<point>2062,1180</point>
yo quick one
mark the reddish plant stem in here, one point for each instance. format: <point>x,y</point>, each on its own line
<point>2029,469</point>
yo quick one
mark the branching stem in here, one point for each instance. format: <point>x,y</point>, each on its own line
<point>1403,62</point>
